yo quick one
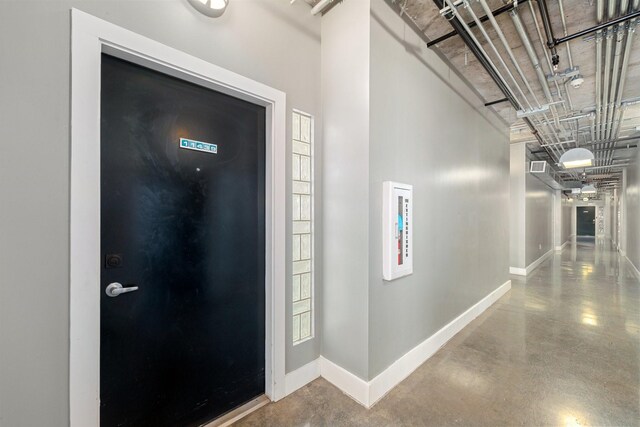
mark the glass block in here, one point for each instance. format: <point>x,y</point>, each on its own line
<point>305,168</point>
<point>295,248</point>
<point>295,207</point>
<point>295,167</point>
<point>305,208</point>
<point>305,129</point>
<point>305,325</point>
<point>301,306</point>
<point>305,285</point>
<point>301,227</point>
<point>300,187</point>
<point>301,148</point>
<point>296,328</point>
<point>301,267</point>
<point>305,246</point>
<point>295,126</point>
<point>296,287</point>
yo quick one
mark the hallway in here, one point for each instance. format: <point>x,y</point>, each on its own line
<point>562,348</point>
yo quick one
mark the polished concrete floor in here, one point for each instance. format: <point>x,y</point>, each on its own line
<point>562,348</point>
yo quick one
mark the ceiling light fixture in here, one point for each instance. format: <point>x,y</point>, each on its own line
<point>576,81</point>
<point>210,8</point>
<point>576,158</point>
<point>586,199</point>
<point>589,189</point>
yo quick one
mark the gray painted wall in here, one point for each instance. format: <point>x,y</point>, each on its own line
<point>567,208</point>
<point>531,214</point>
<point>632,201</point>
<point>345,93</point>
<point>460,176</point>
<point>34,218</point>
<point>517,192</point>
<point>538,218</point>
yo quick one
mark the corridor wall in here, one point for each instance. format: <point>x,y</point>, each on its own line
<point>632,212</point>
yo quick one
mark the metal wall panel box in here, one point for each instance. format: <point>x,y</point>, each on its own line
<point>397,239</point>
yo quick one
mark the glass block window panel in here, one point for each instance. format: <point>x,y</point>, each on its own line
<point>302,226</point>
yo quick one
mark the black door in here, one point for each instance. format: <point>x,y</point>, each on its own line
<point>586,221</point>
<point>185,224</point>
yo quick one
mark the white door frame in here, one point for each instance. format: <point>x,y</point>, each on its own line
<point>90,37</point>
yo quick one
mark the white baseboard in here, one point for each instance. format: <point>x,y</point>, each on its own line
<point>633,268</point>
<point>368,393</point>
<point>539,261</point>
<point>301,376</point>
<point>349,383</point>
<point>559,248</point>
<point>525,271</point>
<point>518,271</point>
<point>403,367</point>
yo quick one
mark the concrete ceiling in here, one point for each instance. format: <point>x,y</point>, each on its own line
<point>579,15</point>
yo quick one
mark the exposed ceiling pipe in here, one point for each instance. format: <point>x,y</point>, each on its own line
<point>499,11</point>
<point>533,57</point>
<point>616,70</point>
<point>321,6</point>
<point>564,29</point>
<point>623,73</point>
<point>546,54</point>
<point>513,59</point>
<point>548,30</point>
<point>473,45</point>
<point>598,76</point>
<point>607,74</point>
<point>599,27</point>
<point>470,10</point>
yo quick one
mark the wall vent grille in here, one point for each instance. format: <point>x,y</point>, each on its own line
<point>538,167</point>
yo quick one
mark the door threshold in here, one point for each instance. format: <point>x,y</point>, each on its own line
<point>240,412</point>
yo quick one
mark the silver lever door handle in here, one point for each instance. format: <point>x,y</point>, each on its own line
<point>114,289</point>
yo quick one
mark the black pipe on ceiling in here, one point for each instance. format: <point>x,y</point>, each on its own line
<point>459,29</point>
<point>596,151</point>
<point>548,30</point>
<point>497,101</point>
<point>595,28</point>
<point>499,11</point>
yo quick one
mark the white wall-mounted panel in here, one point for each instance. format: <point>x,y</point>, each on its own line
<point>397,223</point>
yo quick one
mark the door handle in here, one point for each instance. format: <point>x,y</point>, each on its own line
<point>114,289</point>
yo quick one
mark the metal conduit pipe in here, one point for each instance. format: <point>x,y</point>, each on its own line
<point>533,57</point>
<point>600,16</point>
<point>546,53</point>
<point>564,29</point>
<point>507,48</point>
<point>506,8</point>
<point>514,61</point>
<point>548,30</point>
<point>558,152</point>
<point>616,69</point>
<point>490,66</point>
<point>607,73</point>
<point>623,75</point>
<point>490,43</point>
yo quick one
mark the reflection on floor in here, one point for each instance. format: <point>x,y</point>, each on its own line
<point>562,348</point>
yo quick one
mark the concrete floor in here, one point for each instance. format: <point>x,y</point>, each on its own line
<point>562,348</point>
